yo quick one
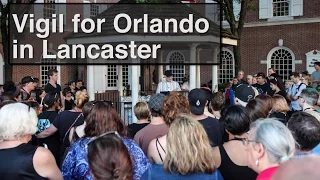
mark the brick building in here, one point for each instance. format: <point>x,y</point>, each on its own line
<point>283,34</point>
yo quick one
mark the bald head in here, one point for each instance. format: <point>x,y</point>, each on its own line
<point>301,168</point>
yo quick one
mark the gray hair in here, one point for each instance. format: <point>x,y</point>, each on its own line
<point>16,121</point>
<point>310,95</point>
<point>276,139</point>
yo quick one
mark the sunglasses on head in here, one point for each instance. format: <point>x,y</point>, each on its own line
<point>102,135</point>
<point>110,103</point>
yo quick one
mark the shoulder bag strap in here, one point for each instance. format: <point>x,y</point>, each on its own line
<point>71,127</point>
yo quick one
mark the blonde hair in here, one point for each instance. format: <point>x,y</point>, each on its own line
<point>188,147</point>
<point>17,120</point>
<point>280,104</point>
<point>308,79</point>
<point>141,110</point>
<point>81,98</point>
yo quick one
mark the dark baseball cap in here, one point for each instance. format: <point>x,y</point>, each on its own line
<point>156,101</point>
<point>197,100</point>
<point>261,74</point>
<point>27,79</point>
<point>168,73</point>
<point>244,92</point>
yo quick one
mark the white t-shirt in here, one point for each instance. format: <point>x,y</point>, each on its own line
<point>168,86</point>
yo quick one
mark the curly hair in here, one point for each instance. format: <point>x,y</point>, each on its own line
<point>173,105</point>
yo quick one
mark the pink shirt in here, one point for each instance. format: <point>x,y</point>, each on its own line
<point>267,174</point>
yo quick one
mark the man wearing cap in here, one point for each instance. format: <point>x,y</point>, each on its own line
<point>262,86</point>
<point>28,85</point>
<point>198,100</point>
<point>156,128</point>
<point>168,84</point>
<point>243,94</point>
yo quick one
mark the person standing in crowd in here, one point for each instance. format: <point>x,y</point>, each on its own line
<point>259,107</point>
<point>19,159</point>
<point>279,109</point>
<point>141,111</point>
<point>271,71</point>
<point>27,87</point>
<point>262,86</point>
<point>305,129</point>
<point>197,102</point>
<point>51,103</point>
<point>254,79</point>
<point>232,155</point>
<point>189,154</point>
<point>275,86</point>
<point>65,121</point>
<point>185,84</point>
<point>294,93</point>
<point>157,127</point>
<point>243,94</point>
<point>173,105</point>
<point>306,79</point>
<point>68,99</point>
<point>102,118</point>
<point>72,85</point>
<point>53,86</point>
<point>168,85</point>
<point>79,84</point>
<point>217,103</point>
<point>280,82</point>
<point>11,92</point>
<point>207,108</point>
<point>240,77</point>
<point>249,79</point>
<point>307,100</point>
<point>269,143</point>
<point>109,158</point>
<point>298,169</point>
<point>315,76</point>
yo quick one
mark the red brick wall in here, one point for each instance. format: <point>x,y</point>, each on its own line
<point>257,42</point>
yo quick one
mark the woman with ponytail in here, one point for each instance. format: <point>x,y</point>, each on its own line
<point>50,105</point>
<point>65,121</point>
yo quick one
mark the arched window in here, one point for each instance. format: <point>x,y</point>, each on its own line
<point>226,69</point>
<point>281,59</point>
<point>44,68</point>
<point>176,60</point>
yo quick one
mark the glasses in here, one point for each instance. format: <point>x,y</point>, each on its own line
<point>102,135</point>
<point>110,103</point>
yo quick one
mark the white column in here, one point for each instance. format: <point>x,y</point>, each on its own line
<point>1,70</point>
<point>193,68</point>
<point>215,69</point>
<point>90,81</point>
<point>134,84</point>
<point>120,87</point>
<point>160,67</point>
<point>198,81</point>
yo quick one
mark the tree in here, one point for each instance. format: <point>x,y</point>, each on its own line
<point>4,10</point>
<point>236,27</point>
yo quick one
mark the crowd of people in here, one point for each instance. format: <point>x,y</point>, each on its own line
<point>259,130</point>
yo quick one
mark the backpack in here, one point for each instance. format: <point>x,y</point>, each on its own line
<point>298,88</point>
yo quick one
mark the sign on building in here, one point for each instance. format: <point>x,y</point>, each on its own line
<point>312,57</point>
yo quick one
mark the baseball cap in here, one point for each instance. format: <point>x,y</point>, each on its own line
<point>168,73</point>
<point>197,100</point>
<point>156,101</point>
<point>260,74</point>
<point>244,93</point>
<point>27,79</point>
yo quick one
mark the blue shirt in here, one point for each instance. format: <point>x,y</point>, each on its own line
<point>75,165</point>
<point>316,150</point>
<point>157,172</point>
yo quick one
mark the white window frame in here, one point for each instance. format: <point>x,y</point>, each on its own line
<point>170,67</point>
<point>56,67</point>
<point>270,55</point>
<point>266,10</point>
<point>93,13</point>
<point>115,76</point>
<point>224,80</point>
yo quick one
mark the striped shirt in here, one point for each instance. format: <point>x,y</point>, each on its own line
<point>168,86</point>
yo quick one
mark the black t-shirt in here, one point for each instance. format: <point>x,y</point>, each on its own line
<point>53,142</point>
<point>63,122</point>
<point>282,93</point>
<point>213,129</point>
<point>263,89</point>
<point>50,89</point>
<point>134,128</point>
<point>68,105</point>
